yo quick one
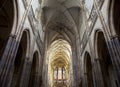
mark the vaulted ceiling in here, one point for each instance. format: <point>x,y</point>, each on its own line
<point>61,17</point>
<point>60,20</point>
<point>59,52</point>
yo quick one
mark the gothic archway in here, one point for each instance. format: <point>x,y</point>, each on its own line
<point>19,61</point>
<point>116,16</point>
<point>33,81</point>
<point>113,16</point>
<point>6,22</point>
<point>88,69</point>
<point>59,58</point>
<point>105,62</point>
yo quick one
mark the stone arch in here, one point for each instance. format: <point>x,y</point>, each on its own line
<point>28,36</point>
<point>20,60</point>
<point>34,78</point>
<point>95,40</point>
<point>58,36</point>
<point>62,37</point>
<point>8,18</point>
<point>88,70</point>
<point>105,60</point>
<point>59,56</point>
<point>68,15</point>
<point>60,32</point>
<point>114,19</point>
<point>116,15</point>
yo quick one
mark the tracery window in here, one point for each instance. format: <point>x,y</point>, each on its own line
<point>55,73</point>
<point>59,73</point>
<point>64,73</point>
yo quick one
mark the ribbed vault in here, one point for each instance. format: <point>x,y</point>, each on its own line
<point>60,20</point>
<point>55,12</point>
<point>59,56</point>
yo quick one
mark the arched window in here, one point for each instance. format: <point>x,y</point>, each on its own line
<point>19,61</point>
<point>55,73</point>
<point>59,73</point>
<point>88,69</point>
<point>34,71</point>
<point>116,17</point>
<point>64,73</point>
<point>105,62</point>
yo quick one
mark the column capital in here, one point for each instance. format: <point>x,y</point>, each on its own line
<point>97,59</point>
<point>13,36</point>
<point>114,36</point>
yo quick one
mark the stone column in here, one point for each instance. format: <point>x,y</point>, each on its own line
<point>94,76</point>
<point>114,50</point>
<point>85,80</point>
<point>25,78</point>
<point>113,44</point>
<point>96,68</point>
<point>6,65</point>
<point>57,75</point>
<point>62,76</point>
<point>26,73</point>
<point>27,67</point>
<point>98,73</point>
<point>74,60</point>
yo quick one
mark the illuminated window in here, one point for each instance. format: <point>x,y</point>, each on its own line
<point>64,73</point>
<point>60,73</point>
<point>55,73</point>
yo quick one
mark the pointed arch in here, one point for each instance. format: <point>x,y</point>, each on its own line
<point>34,77</point>
<point>113,17</point>
<point>20,60</point>
<point>8,18</point>
<point>105,61</point>
<point>88,69</point>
